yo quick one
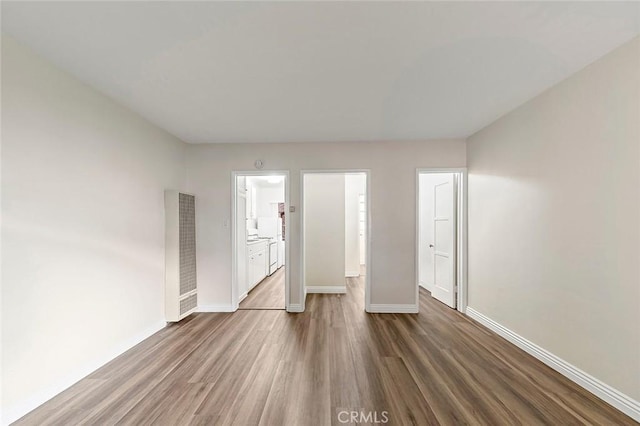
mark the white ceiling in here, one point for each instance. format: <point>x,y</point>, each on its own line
<point>322,71</point>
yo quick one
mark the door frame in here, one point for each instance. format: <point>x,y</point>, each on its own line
<point>461,232</point>
<point>367,277</point>
<point>287,220</point>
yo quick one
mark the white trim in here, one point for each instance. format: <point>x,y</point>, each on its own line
<point>243,296</point>
<point>461,232</point>
<point>329,289</point>
<point>393,309</point>
<point>235,298</point>
<point>424,285</point>
<point>603,391</point>
<point>295,307</point>
<point>29,404</point>
<point>217,308</point>
<point>367,278</point>
<point>351,274</point>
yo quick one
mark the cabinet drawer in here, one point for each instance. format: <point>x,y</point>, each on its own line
<point>255,248</point>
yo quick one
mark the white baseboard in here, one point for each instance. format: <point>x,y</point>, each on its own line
<point>19,410</point>
<point>352,274</point>
<point>216,308</point>
<point>603,391</point>
<point>326,289</point>
<point>411,308</point>
<point>424,285</point>
<point>243,296</point>
<point>295,308</point>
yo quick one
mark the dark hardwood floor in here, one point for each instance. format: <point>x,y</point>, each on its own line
<point>268,294</point>
<point>269,367</point>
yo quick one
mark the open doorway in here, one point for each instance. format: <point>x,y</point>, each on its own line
<point>335,234</point>
<point>441,235</point>
<point>260,265</point>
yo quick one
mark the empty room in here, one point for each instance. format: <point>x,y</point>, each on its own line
<point>320,213</point>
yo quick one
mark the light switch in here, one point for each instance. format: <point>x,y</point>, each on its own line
<point>292,209</point>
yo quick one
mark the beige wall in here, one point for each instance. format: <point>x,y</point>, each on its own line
<point>82,228</point>
<point>554,220</point>
<point>393,196</point>
<point>324,230</point>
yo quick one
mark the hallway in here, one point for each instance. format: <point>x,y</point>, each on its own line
<point>268,294</point>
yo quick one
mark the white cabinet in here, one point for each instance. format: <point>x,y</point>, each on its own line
<point>242,184</point>
<point>248,204</point>
<point>257,264</point>
<point>181,290</point>
<point>251,200</point>
<point>257,268</point>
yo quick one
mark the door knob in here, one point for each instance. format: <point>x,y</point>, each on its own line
<point>431,245</point>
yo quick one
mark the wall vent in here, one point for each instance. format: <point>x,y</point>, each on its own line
<point>181,286</point>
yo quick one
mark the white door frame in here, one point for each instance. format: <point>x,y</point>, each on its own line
<point>367,277</point>
<point>461,233</point>
<point>234,262</point>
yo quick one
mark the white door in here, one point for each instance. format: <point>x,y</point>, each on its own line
<point>241,238</point>
<point>362,227</point>
<point>443,246</point>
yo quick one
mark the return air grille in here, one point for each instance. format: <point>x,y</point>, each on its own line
<point>187,231</point>
<point>188,303</point>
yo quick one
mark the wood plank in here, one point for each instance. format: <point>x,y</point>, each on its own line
<point>267,294</point>
<point>269,367</point>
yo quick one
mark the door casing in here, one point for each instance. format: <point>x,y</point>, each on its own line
<point>234,262</point>
<point>367,277</point>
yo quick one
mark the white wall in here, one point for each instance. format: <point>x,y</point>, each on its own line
<point>393,205</point>
<point>324,226</point>
<point>554,229</point>
<point>354,186</point>
<point>82,228</point>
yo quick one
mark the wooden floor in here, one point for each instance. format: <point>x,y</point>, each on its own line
<point>272,368</point>
<point>268,294</point>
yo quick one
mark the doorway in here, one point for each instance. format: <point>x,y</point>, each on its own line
<point>260,266</point>
<point>335,239</point>
<point>441,235</point>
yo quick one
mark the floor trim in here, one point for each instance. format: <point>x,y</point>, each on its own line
<point>326,289</point>
<point>215,308</point>
<point>425,286</point>
<point>393,309</point>
<point>603,391</point>
<point>24,407</point>
<point>295,307</point>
